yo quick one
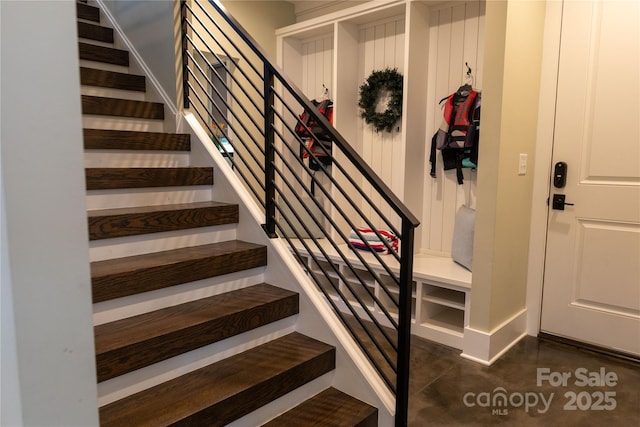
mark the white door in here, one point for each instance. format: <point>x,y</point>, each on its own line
<point>592,269</point>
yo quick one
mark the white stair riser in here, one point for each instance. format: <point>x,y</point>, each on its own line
<point>89,21</point>
<point>121,308</point>
<point>107,199</point>
<point>97,42</point>
<point>122,123</point>
<point>105,66</point>
<point>100,250</point>
<point>133,95</point>
<point>134,159</point>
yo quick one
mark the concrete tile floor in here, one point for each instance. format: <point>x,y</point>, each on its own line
<point>448,390</point>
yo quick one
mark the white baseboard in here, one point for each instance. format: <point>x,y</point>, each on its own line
<point>487,347</point>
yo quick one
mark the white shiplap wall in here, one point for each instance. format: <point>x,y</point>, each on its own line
<point>381,45</point>
<point>456,32</point>
<point>317,65</point>
<point>317,69</point>
<point>455,36</point>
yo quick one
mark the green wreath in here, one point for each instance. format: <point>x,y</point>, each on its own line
<point>387,79</point>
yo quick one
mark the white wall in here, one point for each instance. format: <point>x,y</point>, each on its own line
<point>261,19</point>
<point>45,252</point>
<point>509,123</point>
<point>10,402</point>
<point>150,26</point>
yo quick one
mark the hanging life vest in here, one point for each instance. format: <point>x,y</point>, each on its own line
<point>457,137</point>
<point>307,125</point>
<point>314,137</point>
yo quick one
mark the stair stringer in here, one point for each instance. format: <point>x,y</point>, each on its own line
<point>353,374</point>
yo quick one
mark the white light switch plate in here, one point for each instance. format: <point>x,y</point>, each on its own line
<point>522,164</point>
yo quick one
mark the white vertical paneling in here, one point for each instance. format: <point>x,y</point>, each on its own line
<point>389,141</point>
<point>432,122</point>
<point>312,79</point>
<point>456,70</point>
<point>320,69</point>
<point>366,62</point>
<point>305,67</point>
<point>470,43</point>
<point>470,56</point>
<point>312,56</point>
<point>327,62</point>
<point>436,207</point>
<point>456,35</point>
<point>456,51</point>
<point>382,46</point>
<point>377,138</point>
<point>398,144</point>
<point>317,65</point>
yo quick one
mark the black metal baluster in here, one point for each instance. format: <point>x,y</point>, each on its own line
<point>269,157</point>
<point>185,57</point>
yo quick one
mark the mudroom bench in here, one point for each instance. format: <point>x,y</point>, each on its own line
<point>440,290</point>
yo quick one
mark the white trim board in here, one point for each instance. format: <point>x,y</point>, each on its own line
<point>543,159</point>
<point>487,347</point>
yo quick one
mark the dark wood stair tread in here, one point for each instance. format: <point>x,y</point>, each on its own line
<point>115,178</point>
<point>95,32</point>
<point>104,139</point>
<point>104,106</point>
<point>90,13</point>
<point>110,223</point>
<point>330,408</point>
<point>129,344</point>
<point>112,79</point>
<point>108,55</point>
<point>115,278</point>
<point>226,390</point>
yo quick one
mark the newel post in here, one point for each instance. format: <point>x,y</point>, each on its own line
<point>404,324</point>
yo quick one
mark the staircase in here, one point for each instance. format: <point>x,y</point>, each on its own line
<point>170,280</point>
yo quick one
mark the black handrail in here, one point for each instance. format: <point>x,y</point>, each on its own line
<point>346,148</point>
<point>278,177</point>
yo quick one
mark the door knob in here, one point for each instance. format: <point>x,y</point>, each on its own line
<point>559,202</point>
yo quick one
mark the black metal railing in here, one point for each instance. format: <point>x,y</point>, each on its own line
<point>320,197</point>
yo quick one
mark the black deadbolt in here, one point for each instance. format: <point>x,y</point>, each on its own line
<point>560,175</point>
